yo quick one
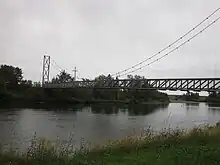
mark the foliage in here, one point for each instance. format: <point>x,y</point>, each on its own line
<point>127,94</point>
<point>36,84</point>
<point>136,77</point>
<point>13,86</point>
<point>62,77</point>
<point>214,97</point>
<point>10,76</point>
<point>189,96</point>
<point>169,147</point>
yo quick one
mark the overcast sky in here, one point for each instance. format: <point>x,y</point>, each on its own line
<point>106,36</point>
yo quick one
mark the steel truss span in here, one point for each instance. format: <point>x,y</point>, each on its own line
<point>181,84</point>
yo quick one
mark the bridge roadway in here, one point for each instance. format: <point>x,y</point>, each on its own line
<point>173,84</point>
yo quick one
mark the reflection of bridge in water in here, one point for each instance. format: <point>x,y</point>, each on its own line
<point>182,84</point>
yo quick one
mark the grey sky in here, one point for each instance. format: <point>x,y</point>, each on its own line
<point>105,36</point>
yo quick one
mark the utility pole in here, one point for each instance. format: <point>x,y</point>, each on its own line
<point>75,71</point>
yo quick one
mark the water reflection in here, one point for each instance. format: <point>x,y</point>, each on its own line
<point>133,110</point>
<point>101,122</point>
<point>145,109</point>
<point>213,105</point>
<point>40,105</point>
<point>214,109</point>
<point>192,106</point>
<point>104,109</point>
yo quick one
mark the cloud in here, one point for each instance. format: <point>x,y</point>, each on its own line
<point>101,37</point>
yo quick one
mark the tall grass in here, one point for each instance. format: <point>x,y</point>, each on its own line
<point>145,148</point>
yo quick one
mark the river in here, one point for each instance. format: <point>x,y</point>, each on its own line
<point>99,123</point>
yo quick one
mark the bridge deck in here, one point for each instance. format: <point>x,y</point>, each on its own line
<point>182,84</point>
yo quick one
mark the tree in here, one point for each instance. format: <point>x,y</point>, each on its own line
<point>37,84</point>
<point>136,77</point>
<point>103,79</point>
<point>26,84</point>
<point>130,77</point>
<point>107,94</point>
<point>63,77</point>
<point>10,76</point>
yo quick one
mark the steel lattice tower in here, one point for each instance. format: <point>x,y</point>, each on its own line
<point>46,69</point>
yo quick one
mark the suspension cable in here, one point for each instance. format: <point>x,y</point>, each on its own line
<point>176,48</point>
<point>162,50</point>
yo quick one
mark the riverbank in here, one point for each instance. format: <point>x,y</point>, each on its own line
<point>199,146</point>
<point>44,103</point>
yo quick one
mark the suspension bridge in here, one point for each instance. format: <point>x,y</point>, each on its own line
<point>174,84</point>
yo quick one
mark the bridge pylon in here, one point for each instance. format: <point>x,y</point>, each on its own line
<point>46,70</point>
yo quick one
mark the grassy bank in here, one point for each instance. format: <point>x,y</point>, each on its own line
<point>200,147</point>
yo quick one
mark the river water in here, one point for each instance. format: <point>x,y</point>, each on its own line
<point>99,123</point>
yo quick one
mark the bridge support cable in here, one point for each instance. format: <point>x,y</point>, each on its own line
<point>48,62</point>
<point>118,74</point>
<point>58,66</point>
<point>173,50</point>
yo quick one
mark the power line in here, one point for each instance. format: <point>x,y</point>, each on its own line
<point>176,48</point>
<point>58,66</point>
<point>162,50</point>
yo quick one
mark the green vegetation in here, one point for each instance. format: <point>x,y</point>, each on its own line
<point>190,96</point>
<point>199,146</point>
<point>214,97</point>
<point>14,89</point>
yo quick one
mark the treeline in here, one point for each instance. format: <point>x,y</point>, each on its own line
<point>134,96</point>
<point>14,87</point>
<point>12,84</point>
<point>128,95</point>
<point>214,97</point>
<point>190,96</point>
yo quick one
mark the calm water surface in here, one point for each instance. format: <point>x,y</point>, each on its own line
<point>98,124</point>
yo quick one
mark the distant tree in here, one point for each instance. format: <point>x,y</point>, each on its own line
<point>190,96</point>
<point>36,84</point>
<point>85,79</point>
<point>101,78</point>
<point>130,76</point>
<point>63,77</point>
<point>10,76</point>
<point>103,93</point>
<point>26,83</point>
<point>136,77</point>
